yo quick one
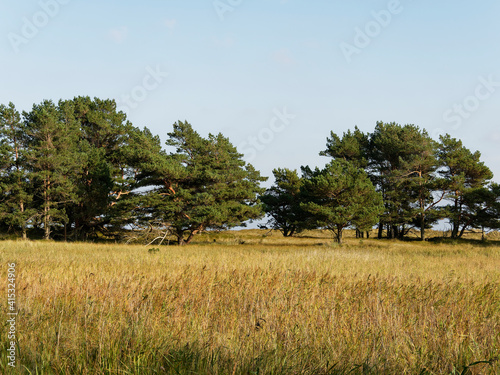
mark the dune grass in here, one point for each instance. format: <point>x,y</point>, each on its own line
<point>250,303</point>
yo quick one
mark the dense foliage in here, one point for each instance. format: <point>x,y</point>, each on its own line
<point>417,175</point>
<point>340,196</point>
<point>204,184</point>
<point>78,170</point>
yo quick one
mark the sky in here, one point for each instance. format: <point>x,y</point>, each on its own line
<point>274,76</point>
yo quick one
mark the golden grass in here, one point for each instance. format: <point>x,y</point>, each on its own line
<point>269,305</point>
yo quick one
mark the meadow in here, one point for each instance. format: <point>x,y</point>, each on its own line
<point>253,302</point>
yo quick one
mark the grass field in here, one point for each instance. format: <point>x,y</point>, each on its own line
<point>247,303</point>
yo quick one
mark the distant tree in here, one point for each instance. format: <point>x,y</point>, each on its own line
<point>488,216</point>
<point>51,157</point>
<point>15,191</point>
<point>282,203</point>
<point>353,147</point>
<point>416,176</point>
<point>107,175</point>
<point>339,196</point>
<point>388,148</point>
<point>204,184</point>
<point>71,165</point>
<point>465,173</point>
<point>152,170</point>
<point>402,164</point>
<point>482,208</point>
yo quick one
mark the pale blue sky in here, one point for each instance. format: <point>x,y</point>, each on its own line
<point>232,72</point>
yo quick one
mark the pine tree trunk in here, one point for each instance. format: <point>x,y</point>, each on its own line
<point>46,216</point>
<point>339,235</point>
<point>462,231</point>
<point>193,233</point>
<point>190,237</point>
<point>46,221</point>
<point>422,229</point>
<point>380,230</point>
<point>25,235</point>
<point>456,221</point>
<point>401,232</point>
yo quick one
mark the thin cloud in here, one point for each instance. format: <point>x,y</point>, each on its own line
<point>118,35</point>
<point>283,57</point>
<point>226,42</point>
<point>170,23</point>
<point>493,136</point>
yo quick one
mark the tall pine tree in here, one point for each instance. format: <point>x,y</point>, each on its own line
<point>465,172</point>
<point>50,139</point>
<point>15,191</point>
<point>204,184</point>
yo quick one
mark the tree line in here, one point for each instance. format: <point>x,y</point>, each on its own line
<point>397,178</point>
<point>78,170</point>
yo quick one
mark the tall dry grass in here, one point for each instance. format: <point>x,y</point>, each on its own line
<point>254,304</point>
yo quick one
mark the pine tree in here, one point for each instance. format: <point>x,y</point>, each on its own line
<point>151,171</point>
<point>15,193</point>
<point>482,208</point>
<point>204,184</point>
<point>464,172</point>
<point>414,175</point>
<point>353,147</point>
<point>339,196</point>
<point>282,202</point>
<point>403,163</point>
<point>106,176</point>
<point>417,177</point>
<point>51,157</point>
